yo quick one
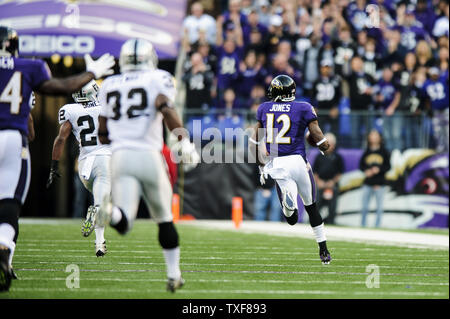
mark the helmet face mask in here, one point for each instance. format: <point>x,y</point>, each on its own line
<point>282,88</point>
<point>88,93</point>
<point>136,55</point>
<point>9,42</point>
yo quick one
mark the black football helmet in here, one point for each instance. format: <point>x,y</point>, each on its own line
<point>9,41</point>
<point>282,88</point>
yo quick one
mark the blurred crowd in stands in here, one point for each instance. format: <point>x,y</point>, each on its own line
<point>363,65</point>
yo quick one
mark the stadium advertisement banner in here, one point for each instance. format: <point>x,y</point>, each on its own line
<point>416,194</point>
<point>94,27</point>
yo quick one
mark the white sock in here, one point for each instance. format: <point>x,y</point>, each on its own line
<point>7,234</point>
<point>116,216</point>
<point>99,235</point>
<point>319,233</point>
<point>172,257</point>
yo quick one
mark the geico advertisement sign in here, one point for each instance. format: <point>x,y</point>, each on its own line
<point>64,44</point>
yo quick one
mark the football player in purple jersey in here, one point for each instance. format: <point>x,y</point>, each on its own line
<point>18,79</point>
<point>283,123</point>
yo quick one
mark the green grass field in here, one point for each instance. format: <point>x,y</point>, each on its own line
<point>218,265</point>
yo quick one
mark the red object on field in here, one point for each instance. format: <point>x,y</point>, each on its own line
<point>236,211</point>
<point>309,139</point>
<point>171,165</point>
<point>176,207</point>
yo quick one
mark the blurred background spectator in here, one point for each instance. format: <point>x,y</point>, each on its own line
<point>374,162</point>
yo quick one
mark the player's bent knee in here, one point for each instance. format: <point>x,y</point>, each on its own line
<point>168,235</point>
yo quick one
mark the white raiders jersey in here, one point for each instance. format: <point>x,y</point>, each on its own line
<point>84,120</point>
<point>128,102</point>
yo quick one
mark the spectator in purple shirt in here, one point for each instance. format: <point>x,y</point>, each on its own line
<point>253,23</point>
<point>425,14</point>
<point>250,74</point>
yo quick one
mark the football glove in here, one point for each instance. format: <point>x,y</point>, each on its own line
<point>187,154</point>
<point>54,173</point>
<point>100,67</point>
<point>262,176</point>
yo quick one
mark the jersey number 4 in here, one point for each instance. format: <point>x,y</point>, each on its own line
<point>280,137</point>
<point>132,110</point>
<point>12,93</point>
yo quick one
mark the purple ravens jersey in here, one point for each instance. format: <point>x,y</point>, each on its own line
<point>285,124</point>
<point>18,78</point>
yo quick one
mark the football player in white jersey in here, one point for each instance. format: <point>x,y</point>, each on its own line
<point>134,105</point>
<point>81,118</point>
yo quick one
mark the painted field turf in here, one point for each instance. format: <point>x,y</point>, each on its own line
<point>219,265</point>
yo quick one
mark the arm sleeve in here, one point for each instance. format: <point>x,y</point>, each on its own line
<point>41,73</point>
<point>310,114</point>
<point>63,114</point>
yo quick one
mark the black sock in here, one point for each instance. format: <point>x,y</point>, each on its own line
<point>314,217</point>
<point>323,245</point>
<point>122,225</point>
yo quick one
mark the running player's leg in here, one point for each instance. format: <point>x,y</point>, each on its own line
<point>88,224</point>
<point>287,194</point>
<point>121,212</point>
<point>101,188</point>
<point>307,189</point>
<point>157,193</point>
<point>14,184</point>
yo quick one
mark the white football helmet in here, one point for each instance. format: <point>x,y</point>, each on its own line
<point>137,54</point>
<point>88,93</point>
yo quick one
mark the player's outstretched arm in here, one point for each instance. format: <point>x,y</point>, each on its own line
<point>58,148</point>
<point>94,70</point>
<point>68,85</point>
<point>318,137</point>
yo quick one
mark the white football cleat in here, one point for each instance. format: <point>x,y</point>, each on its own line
<point>88,225</point>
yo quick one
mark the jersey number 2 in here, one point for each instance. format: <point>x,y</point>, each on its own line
<point>89,130</point>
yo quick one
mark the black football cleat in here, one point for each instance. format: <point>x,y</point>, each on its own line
<point>325,256</point>
<point>173,284</point>
<point>5,270</point>
<point>13,274</point>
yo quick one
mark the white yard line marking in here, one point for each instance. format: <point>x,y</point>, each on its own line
<point>247,281</point>
<point>150,251</point>
<point>211,291</point>
<point>227,264</point>
<point>150,256</point>
<point>240,272</point>
<point>351,234</point>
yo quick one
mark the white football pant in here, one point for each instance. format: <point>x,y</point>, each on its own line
<point>15,170</point>
<point>99,172</point>
<point>137,173</point>
<point>294,174</point>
